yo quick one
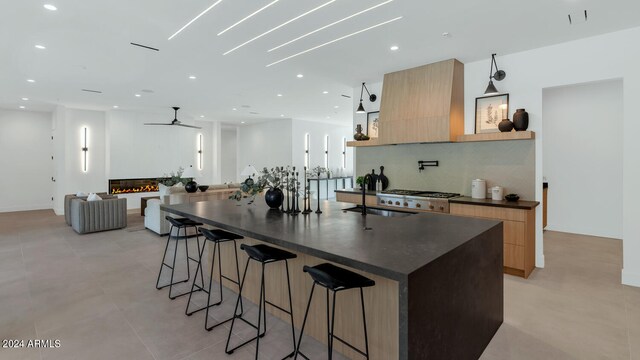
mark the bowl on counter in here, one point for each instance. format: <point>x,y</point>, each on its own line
<point>203,188</point>
<point>512,197</point>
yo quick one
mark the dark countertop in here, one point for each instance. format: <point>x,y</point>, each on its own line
<point>393,248</point>
<point>356,191</point>
<point>520,204</point>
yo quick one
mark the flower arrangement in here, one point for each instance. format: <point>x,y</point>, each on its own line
<point>267,179</point>
<point>173,178</point>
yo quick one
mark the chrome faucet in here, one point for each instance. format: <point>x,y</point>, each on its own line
<point>364,191</point>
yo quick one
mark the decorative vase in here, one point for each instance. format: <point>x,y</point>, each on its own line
<point>191,187</point>
<point>358,135</point>
<point>274,198</point>
<point>505,125</point>
<point>521,120</point>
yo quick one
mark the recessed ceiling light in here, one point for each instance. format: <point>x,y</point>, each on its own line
<point>31,80</point>
<point>299,76</point>
<point>335,40</point>
<point>201,116</point>
<point>194,19</point>
<point>241,122</point>
<point>446,34</point>
<point>325,92</point>
<point>50,7</point>
<point>22,107</point>
<point>394,48</point>
<point>192,77</point>
<point>333,23</point>
<point>335,107</point>
<point>279,26</point>
<point>138,95</point>
<point>25,99</point>
<point>279,95</point>
<point>328,117</point>
<point>247,17</point>
<point>41,47</point>
<point>281,115</point>
<point>115,106</point>
<point>234,109</point>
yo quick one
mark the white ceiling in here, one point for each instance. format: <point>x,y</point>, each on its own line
<point>88,47</point>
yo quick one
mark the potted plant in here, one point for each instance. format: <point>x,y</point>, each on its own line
<point>267,179</point>
<point>174,178</point>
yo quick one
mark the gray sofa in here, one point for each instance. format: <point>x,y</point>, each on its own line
<point>67,203</point>
<point>101,215</point>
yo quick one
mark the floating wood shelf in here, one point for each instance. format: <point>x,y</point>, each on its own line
<point>370,142</point>
<point>499,136</point>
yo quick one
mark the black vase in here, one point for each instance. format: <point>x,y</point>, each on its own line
<point>521,120</point>
<point>191,187</point>
<point>505,125</point>
<point>274,198</point>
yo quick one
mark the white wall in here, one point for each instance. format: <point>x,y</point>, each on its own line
<point>27,167</point>
<point>609,56</point>
<point>229,153</point>
<point>266,144</point>
<point>582,157</point>
<point>317,132</point>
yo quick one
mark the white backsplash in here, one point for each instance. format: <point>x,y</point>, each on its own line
<point>510,164</point>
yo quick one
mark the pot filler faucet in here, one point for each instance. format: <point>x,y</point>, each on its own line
<point>364,191</point>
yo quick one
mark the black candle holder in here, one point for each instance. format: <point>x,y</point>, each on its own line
<point>281,183</point>
<point>288,211</point>
<point>319,211</point>
<point>307,200</point>
<point>297,194</point>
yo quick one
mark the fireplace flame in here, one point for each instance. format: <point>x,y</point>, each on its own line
<point>139,189</point>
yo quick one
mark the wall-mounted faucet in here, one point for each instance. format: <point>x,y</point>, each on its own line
<point>423,163</point>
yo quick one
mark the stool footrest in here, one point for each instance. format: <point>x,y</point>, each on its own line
<point>349,345</point>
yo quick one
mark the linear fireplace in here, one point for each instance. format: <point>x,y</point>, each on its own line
<point>130,186</point>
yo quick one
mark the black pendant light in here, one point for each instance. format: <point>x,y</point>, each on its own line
<point>499,75</point>
<point>372,98</point>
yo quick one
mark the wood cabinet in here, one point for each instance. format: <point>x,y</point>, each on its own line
<point>423,104</point>
<point>371,200</point>
<point>519,240</point>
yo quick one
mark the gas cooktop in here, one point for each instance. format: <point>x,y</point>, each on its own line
<point>419,193</point>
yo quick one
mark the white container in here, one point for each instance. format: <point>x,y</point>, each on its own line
<point>497,193</point>
<point>479,189</point>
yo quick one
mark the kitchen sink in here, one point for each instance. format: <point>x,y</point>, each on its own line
<point>380,212</point>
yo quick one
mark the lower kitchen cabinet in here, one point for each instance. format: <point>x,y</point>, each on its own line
<point>371,200</point>
<point>519,240</point>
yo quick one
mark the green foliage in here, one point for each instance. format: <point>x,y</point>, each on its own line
<point>360,180</point>
<point>267,179</point>
<point>174,178</point>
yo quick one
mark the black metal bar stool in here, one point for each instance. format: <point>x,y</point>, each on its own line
<point>336,279</point>
<point>179,224</point>
<point>217,237</point>
<point>263,254</point>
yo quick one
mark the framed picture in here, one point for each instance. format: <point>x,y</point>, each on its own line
<point>372,124</point>
<point>490,110</point>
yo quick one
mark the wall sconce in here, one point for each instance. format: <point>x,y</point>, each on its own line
<point>307,144</point>
<point>326,152</point>
<point>499,75</point>
<point>372,98</point>
<point>200,149</point>
<point>85,150</point>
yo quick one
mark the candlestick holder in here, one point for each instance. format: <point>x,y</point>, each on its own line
<point>288,211</point>
<point>281,185</point>
<point>297,193</point>
<point>319,211</point>
<point>307,197</point>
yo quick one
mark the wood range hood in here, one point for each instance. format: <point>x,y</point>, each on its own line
<point>422,104</point>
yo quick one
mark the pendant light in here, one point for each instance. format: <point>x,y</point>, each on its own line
<point>499,75</point>
<point>372,98</point>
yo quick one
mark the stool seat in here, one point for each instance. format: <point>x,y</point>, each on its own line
<point>265,253</point>
<point>337,278</point>
<point>181,222</point>
<point>219,235</point>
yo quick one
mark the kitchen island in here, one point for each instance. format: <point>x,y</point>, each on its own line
<point>439,283</point>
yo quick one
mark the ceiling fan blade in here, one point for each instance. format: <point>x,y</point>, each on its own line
<point>157,124</point>
<point>189,126</point>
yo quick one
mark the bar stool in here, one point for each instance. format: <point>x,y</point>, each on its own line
<point>335,279</point>
<point>217,237</point>
<point>180,224</point>
<point>263,254</point>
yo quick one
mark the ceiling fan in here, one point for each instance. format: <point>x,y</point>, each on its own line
<point>175,121</point>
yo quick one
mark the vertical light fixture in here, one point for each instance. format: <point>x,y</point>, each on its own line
<point>326,152</point>
<point>85,150</point>
<point>344,152</point>
<point>200,149</point>
<point>307,144</point>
